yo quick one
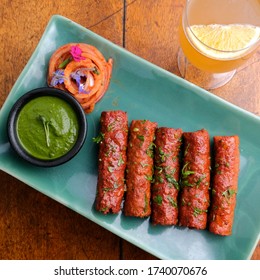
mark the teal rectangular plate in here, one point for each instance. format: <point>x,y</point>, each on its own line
<point>145,91</point>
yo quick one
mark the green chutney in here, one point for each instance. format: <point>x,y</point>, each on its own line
<point>47,127</point>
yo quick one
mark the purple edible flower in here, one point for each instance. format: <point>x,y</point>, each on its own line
<point>77,77</point>
<point>57,77</point>
<point>81,88</point>
<point>76,53</point>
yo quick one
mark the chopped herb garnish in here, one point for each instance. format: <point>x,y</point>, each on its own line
<point>172,180</point>
<point>172,201</point>
<point>170,170</point>
<point>183,202</point>
<point>140,137</point>
<point>158,199</point>
<point>161,152</point>
<point>197,211</point>
<point>159,179</point>
<point>149,151</point>
<point>120,161</point>
<point>202,177</point>
<point>111,126</point>
<point>110,168</point>
<point>144,164</point>
<point>159,168</point>
<point>151,146</point>
<point>185,172</point>
<point>104,209</point>
<point>229,193</point>
<point>149,177</point>
<point>186,183</point>
<point>223,163</point>
<point>99,138</point>
<point>163,156</point>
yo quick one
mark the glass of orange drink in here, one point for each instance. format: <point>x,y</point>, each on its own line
<point>216,37</point>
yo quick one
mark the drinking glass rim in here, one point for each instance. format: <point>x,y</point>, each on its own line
<point>185,17</point>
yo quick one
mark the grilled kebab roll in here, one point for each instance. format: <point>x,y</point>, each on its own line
<point>225,184</point>
<point>166,176</point>
<point>139,171</point>
<point>112,161</point>
<point>195,180</point>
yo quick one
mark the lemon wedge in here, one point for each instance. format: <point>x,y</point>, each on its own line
<point>224,41</point>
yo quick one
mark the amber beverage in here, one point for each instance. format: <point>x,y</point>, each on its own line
<point>206,63</point>
<point>221,13</point>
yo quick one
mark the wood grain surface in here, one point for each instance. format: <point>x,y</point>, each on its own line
<point>33,226</point>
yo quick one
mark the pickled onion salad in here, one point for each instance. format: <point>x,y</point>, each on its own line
<point>82,70</point>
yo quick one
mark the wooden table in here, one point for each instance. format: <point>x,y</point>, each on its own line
<point>33,226</point>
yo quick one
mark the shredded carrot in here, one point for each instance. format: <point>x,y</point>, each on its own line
<point>87,78</point>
